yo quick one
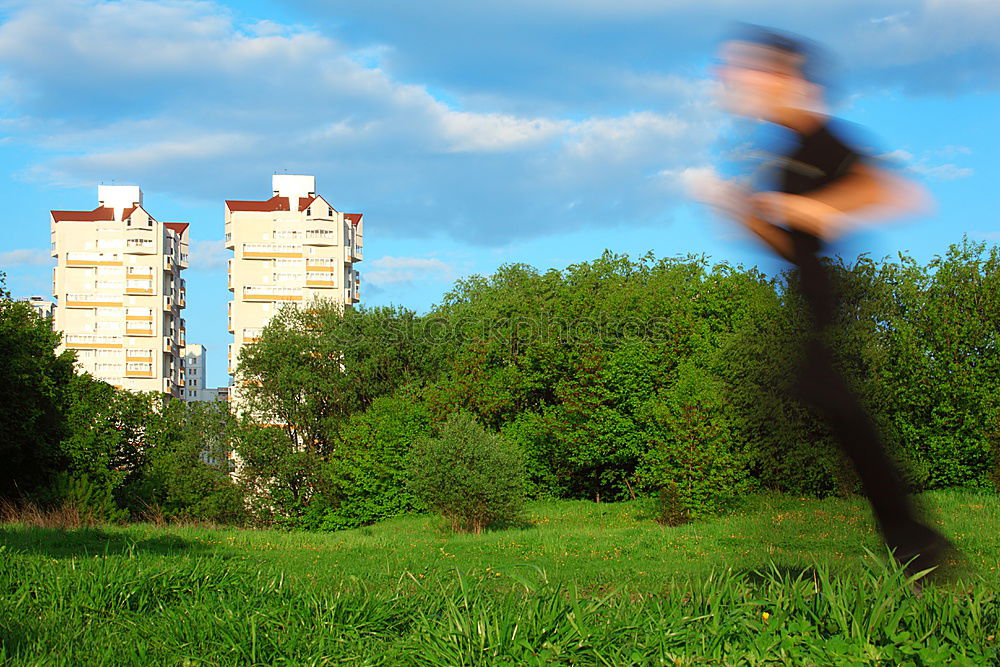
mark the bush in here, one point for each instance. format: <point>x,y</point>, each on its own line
<point>669,508</point>
<point>470,476</point>
<point>93,501</point>
<point>366,476</point>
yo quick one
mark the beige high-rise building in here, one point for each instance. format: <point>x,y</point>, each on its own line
<point>120,293</point>
<point>195,373</point>
<point>290,248</point>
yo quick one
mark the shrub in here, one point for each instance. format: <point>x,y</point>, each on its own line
<point>669,508</point>
<point>366,476</point>
<point>472,477</point>
<point>93,501</point>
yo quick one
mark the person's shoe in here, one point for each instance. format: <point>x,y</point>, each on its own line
<point>928,550</point>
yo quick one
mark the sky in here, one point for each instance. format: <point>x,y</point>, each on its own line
<point>470,134</point>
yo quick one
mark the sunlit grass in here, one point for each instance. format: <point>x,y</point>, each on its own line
<point>783,579</point>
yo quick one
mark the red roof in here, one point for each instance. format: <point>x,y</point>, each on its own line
<point>306,203</point>
<point>178,227</point>
<point>99,213</point>
<point>355,218</point>
<point>275,203</point>
<point>127,212</point>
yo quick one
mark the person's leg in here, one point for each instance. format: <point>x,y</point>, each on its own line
<point>822,386</point>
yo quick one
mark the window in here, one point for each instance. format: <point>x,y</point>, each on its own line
<point>309,211</point>
<point>329,212</point>
<point>149,222</point>
<point>128,221</point>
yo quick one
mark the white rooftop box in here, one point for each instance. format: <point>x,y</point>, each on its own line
<point>293,185</point>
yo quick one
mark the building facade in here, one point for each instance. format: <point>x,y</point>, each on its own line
<point>42,306</point>
<point>195,361</point>
<point>291,248</point>
<point>120,293</point>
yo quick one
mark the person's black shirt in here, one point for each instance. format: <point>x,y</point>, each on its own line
<point>817,160</point>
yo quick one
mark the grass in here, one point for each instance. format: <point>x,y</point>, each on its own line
<point>781,581</point>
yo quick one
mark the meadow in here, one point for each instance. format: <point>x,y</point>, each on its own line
<point>781,580</point>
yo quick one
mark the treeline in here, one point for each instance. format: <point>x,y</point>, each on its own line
<point>110,455</point>
<point>611,379</point>
<point>618,378</point>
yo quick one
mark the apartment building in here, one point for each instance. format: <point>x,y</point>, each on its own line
<point>119,291</point>
<point>42,306</point>
<point>195,385</point>
<point>290,248</point>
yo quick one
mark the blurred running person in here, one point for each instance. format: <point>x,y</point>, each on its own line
<point>821,186</point>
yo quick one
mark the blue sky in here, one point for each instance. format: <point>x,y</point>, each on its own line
<point>470,134</point>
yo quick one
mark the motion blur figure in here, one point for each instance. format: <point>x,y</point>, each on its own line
<point>820,188</point>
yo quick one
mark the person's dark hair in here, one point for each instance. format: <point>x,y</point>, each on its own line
<point>806,57</point>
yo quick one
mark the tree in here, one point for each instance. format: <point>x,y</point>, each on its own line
<point>470,476</point>
<point>32,422</point>
<point>188,465</point>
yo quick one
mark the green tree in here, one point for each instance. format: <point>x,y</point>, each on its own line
<point>366,475</point>
<point>108,439</point>
<point>188,465</point>
<point>472,477</point>
<point>32,421</point>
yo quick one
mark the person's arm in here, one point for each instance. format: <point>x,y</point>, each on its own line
<point>775,237</point>
<point>825,212</point>
<point>734,201</point>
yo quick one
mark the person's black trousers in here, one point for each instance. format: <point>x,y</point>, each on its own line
<point>822,387</point>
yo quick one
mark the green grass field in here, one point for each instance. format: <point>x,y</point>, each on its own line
<point>781,581</point>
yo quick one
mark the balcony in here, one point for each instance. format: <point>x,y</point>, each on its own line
<point>137,355</point>
<point>93,300</point>
<point>139,287</point>
<point>356,252</point>
<point>250,335</point>
<point>271,293</point>
<point>139,272</point>
<point>138,369</point>
<point>92,341</point>
<point>140,246</point>
<point>320,237</point>
<point>139,328</point>
<point>271,250</point>
<point>323,279</point>
<point>320,264</point>
<point>93,259</point>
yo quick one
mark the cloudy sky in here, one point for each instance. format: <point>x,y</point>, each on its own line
<point>470,134</point>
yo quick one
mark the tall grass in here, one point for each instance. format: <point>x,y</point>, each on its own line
<point>555,593</point>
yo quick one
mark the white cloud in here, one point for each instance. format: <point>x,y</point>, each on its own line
<point>394,270</point>
<point>218,106</point>
<point>942,172</point>
<point>925,165</point>
<point>208,255</point>
<point>25,257</point>
<point>474,132</point>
